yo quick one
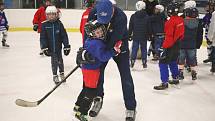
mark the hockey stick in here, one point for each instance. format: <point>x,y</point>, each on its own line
<point>24,103</point>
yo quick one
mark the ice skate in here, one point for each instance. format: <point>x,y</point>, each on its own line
<point>130,115</point>
<point>212,70</point>
<point>81,117</point>
<point>207,60</point>
<point>56,79</point>
<point>194,75</point>
<point>162,86</point>
<point>4,44</point>
<point>98,102</point>
<point>174,83</point>
<point>181,75</point>
<point>144,64</point>
<point>62,76</point>
<point>132,63</point>
<point>188,68</point>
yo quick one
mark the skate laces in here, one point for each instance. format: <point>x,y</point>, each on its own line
<point>97,104</point>
<point>130,113</point>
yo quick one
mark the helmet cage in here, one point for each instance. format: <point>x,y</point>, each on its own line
<point>95,30</point>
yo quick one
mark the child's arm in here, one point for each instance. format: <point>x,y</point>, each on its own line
<point>64,35</point>
<point>43,38</point>
<point>65,40</point>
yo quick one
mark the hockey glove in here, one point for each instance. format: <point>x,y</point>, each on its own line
<point>116,48</point>
<point>66,50</point>
<point>208,42</point>
<point>7,27</point>
<point>35,28</point>
<point>46,52</point>
<point>83,57</point>
<point>163,53</point>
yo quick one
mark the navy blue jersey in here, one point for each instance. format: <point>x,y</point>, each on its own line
<point>3,21</point>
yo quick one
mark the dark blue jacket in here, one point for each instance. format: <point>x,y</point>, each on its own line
<point>117,30</point>
<point>3,21</point>
<point>193,34</point>
<point>52,36</point>
<point>98,50</point>
<point>156,23</point>
<point>138,26</point>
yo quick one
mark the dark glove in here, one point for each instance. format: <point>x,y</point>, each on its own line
<point>83,57</point>
<point>35,28</point>
<point>163,53</point>
<point>46,52</point>
<point>7,27</point>
<point>66,50</point>
<point>208,42</point>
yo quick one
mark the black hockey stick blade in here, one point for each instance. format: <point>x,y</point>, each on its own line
<point>24,103</point>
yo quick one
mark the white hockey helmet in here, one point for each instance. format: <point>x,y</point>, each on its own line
<point>52,13</point>
<point>140,5</point>
<point>113,2</point>
<point>160,8</point>
<point>51,9</point>
<point>189,4</point>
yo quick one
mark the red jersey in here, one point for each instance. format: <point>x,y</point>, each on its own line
<point>174,30</point>
<point>39,17</point>
<point>84,20</point>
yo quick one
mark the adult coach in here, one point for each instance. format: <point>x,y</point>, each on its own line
<point>116,21</point>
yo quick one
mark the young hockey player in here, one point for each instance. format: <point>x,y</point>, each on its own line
<point>193,37</point>
<point>138,32</point>
<point>156,29</point>
<point>150,6</point>
<point>52,36</point>
<point>211,38</point>
<point>174,32</point>
<point>206,22</point>
<point>3,26</point>
<point>89,4</point>
<point>91,57</point>
<point>39,17</point>
<point>187,6</point>
<point>116,21</point>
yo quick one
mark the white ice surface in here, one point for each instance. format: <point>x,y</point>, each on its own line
<point>26,75</point>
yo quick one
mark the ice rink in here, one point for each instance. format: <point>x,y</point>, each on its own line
<point>26,75</point>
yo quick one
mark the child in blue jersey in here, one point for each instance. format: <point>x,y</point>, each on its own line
<point>90,58</point>
<point>3,25</point>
